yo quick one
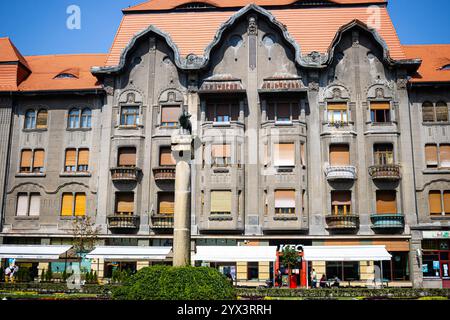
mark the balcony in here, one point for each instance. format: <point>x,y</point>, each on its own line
<point>387,221</point>
<point>385,172</point>
<point>162,221</point>
<point>123,222</point>
<point>164,173</point>
<point>334,173</point>
<point>342,223</point>
<point>125,174</point>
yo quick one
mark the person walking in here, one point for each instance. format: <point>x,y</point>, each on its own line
<point>313,278</point>
<point>7,273</point>
<point>14,270</point>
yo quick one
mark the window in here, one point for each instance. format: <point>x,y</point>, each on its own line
<point>126,157</point>
<point>427,112</point>
<point>339,155</point>
<point>220,202</point>
<point>435,113</point>
<point>380,112</point>
<point>73,204</point>
<point>86,116</point>
<point>36,120</point>
<point>444,155</point>
<point>129,116</point>
<point>437,201</point>
<point>341,203</point>
<point>383,154</point>
<point>32,161</point>
<point>166,157</point>
<point>437,156</point>
<point>446,202</point>
<point>77,161</point>
<point>441,112</point>
<point>28,204</point>
<point>221,155</point>
<point>170,115</point>
<point>30,119</point>
<point>337,113</point>
<point>41,122</point>
<point>282,111</point>
<point>222,112</point>
<point>125,203</point>
<point>74,119</point>
<point>83,160</point>
<point>386,202</point>
<point>166,203</point>
<point>285,201</point>
<point>345,271</point>
<point>252,270</point>
<point>80,119</point>
<point>284,155</point>
<point>431,155</point>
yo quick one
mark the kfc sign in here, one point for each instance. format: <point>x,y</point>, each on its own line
<point>296,247</point>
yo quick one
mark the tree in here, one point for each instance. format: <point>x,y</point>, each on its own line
<point>290,257</point>
<point>85,234</point>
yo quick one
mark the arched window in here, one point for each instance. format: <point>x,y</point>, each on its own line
<point>427,112</point>
<point>441,111</point>
<point>42,119</point>
<point>30,119</point>
<point>86,116</point>
<point>74,118</point>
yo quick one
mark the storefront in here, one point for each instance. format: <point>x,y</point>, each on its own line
<point>436,259</point>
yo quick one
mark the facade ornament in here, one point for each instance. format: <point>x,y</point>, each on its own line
<point>131,98</point>
<point>185,122</point>
<point>337,93</point>
<point>313,86</point>
<point>379,93</point>
<point>402,83</point>
<point>252,26</point>
<point>355,39</point>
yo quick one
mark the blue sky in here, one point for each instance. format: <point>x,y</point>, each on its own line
<point>39,26</point>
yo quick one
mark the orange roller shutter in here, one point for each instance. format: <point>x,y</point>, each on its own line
<point>166,157</point>
<point>284,154</point>
<point>221,150</point>
<point>127,157</point>
<point>67,204</point>
<point>221,201</point>
<point>337,106</point>
<point>441,112</point>
<point>444,155</point>
<point>71,157</point>
<point>83,157</point>
<point>38,161</point>
<point>427,112</point>
<point>125,203</point>
<point>41,122</point>
<point>380,106</point>
<point>447,202</point>
<point>166,203</point>
<point>393,246</point>
<point>339,155</point>
<point>386,202</point>
<point>431,154</point>
<point>170,114</point>
<point>434,199</point>
<point>25,162</point>
<point>80,204</point>
<point>285,199</point>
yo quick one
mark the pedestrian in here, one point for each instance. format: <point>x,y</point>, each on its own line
<point>14,270</point>
<point>279,278</point>
<point>323,281</point>
<point>313,278</point>
<point>7,273</point>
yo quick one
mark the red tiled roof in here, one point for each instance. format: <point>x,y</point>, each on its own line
<point>171,4</point>
<point>13,66</point>
<point>434,57</point>
<point>313,28</point>
<point>9,52</point>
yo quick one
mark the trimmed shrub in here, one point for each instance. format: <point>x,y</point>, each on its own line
<point>176,283</point>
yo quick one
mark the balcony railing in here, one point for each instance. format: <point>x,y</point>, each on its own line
<point>385,172</point>
<point>161,221</point>
<point>119,221</point>
<point>341,222</point>
<point>125,174</point>
<point>340,173</point>
<point>164,173</point>
<point>388,221</point>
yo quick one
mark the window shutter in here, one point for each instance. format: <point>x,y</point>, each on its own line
<point>83,157</point>
<point>125,202</point>
<point>166,157</point>
<point>447,202</point>
<point>41,122</point>
<point>337,106</point>
<point>339,155</point>
<point>431,155</point>
<point>221,150</point>
<point>80,204</point>
<point>441,111</point>
<point>35,204</point>
<point>38,161</point>
<point>221,201</point>
<point>444,155</point>
<point>166,203</point>
<point>170,114</point>
<point>285,199</point>
<point>127,157</point>
<point>71,157</point>
<point>380,106</point>
<point>434,199</point>
<point>22,205</point>
<point>284,154</point>
<point>386,202</point>
<point>25,162</point>
<point>427,112</point>
<point>67,205</point>
<point>341,198</point>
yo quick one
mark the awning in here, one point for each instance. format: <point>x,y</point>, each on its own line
<point>33,252</point>
<point>346,253</point>
<point>235,253</point>
<point>129,253</point>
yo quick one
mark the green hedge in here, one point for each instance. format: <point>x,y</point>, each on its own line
<point>176,283</point>
<point>49,288</point>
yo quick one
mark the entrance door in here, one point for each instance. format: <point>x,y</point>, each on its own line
<point>445,272</point>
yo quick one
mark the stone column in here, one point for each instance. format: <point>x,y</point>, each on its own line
<point>181,149</point>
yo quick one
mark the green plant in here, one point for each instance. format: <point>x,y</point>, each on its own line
<point>176,283</point>
<point>49,275</point>
<point>290,258</point>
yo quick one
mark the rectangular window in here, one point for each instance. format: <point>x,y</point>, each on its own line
<point>221,202</point>
<point>166,157</point>
<point>83,160</point>
<point>73,205</point>
<point>345,271</point>
<point>285,201</point>
<point>386,202</point>
<point>80,204</point>
<point>126,157</point>
<point>339,155</point>
<point>222,111</point>
<point>341,202</point>
<point>444,155</point>
<point>22,205</point>
<point>380,112</point>
<point>125,203</point>
<point>252,270</point>
<point>67,205</point>
<point>337,113</point>
<point>447,202</point>
<point>71,160</point>
<point>129,116</point>
<point>35,204</point>
<point>383,154</point>
<point>25,161</point>
<point>441,112</point>
<point>431,155</point>
<point>166,203</point>
<point>284,155</point>
<point>38,161</point>
<point>434,202</point>
<point>221,155</point>
<point>170,115</point>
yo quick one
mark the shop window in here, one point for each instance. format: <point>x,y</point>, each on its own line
<point>345,271</point>
<point>125,203</point>
<point>397,269</point>
<point>383,154</point>
<point>32,161</point>
<point>380,112</point>
<point>339,155</point>
<point>431,155</point>
<point>112,269</point>
<point>427,112</point>
<point>166,157</point>
<point>76,160</point>
<point>285,201</point>
<point>341,203</point>
<point>73,204</point>
<point>129,116</point>
<point>126,157</point>
<point>337,113</point>
<point>284,155</point>
<point>386,202</point>
<point>28,204</point>
<point>221,155</point>
<point>221,202</point>
<point>441,112</point>
<point>30,119</point>
<point>222,112</point>
<point>431,266</point>
<point>434,202</point>
<point>282,111</point>
<point>166,203</point>
<point>252,270</point>
<point>170,115</point>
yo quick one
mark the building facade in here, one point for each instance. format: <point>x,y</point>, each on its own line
<point>312,125</point>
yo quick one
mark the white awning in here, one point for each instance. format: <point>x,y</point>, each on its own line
<point>33,252</point>
<point>346,253</point>
<point>129,253</point>
<point>235,253</point>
